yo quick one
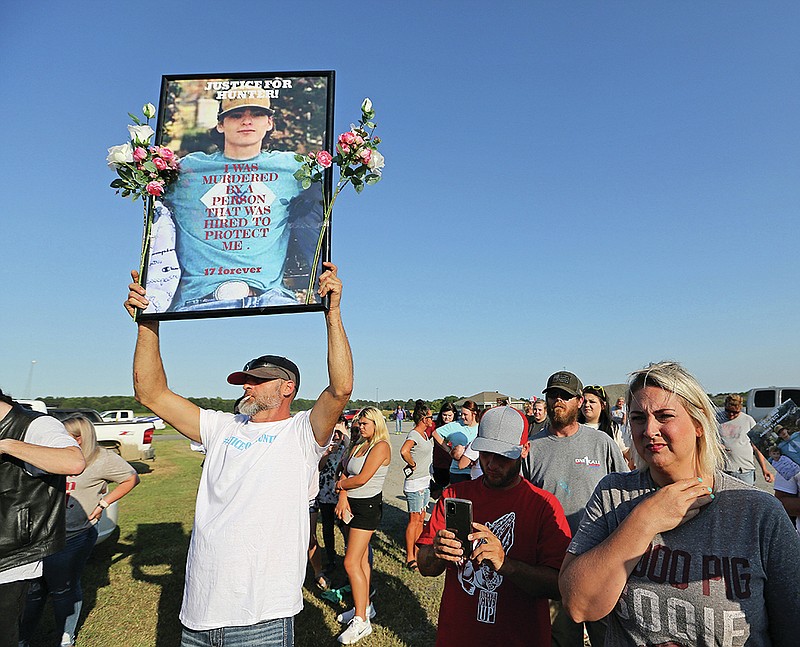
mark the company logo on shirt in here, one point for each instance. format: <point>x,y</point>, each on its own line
<point>243,445</point>
<point>588,462</point>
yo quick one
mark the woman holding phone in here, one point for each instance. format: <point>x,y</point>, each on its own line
<point>417,452</point>
<point>360,507</point>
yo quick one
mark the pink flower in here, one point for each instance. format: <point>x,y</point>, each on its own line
<point>139,153</point>
<point>324,158</point>
<point>155,188</point>
<point>344,148</point>
<point>166,153</point>
<point>365,155</point>
<point>347,138</point>
<point>161,164</point>
<point>358,140</point>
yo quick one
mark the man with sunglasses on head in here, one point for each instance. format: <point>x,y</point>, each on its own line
<point>247,556</point>
<point>231,216</point>
<point>569,459</point>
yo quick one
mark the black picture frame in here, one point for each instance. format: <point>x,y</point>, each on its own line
<point>234,235</point>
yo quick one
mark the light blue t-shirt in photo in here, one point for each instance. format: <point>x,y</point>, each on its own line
<point>458,434</point>
<point>232,220</point>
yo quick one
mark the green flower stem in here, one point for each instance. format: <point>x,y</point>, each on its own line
<point>146,202</point>
<point>325,221</point>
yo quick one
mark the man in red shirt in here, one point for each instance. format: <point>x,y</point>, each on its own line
<point>519,538</point>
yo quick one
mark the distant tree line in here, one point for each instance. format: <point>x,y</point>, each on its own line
<point>107,402</point>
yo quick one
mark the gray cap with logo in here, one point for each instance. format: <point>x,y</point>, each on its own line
<point>503,431</point>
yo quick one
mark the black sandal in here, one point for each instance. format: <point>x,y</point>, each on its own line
<point>412,565</point>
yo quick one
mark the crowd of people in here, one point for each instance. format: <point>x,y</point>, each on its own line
<point>635,524</point>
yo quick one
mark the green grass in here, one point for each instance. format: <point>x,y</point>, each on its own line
<point>133,584</point>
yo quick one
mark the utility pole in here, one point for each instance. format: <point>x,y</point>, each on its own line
<point>29,383</point>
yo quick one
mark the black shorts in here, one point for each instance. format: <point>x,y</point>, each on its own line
<point>367,513</point>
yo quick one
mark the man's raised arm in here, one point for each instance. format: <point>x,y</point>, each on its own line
<point>150,380</point>
<point>333,400</point>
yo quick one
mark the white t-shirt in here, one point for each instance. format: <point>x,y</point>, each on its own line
<point>475,470</point>
<point>247,555</point>
<point>48,432</point>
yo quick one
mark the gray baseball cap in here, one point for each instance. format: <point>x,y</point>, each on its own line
<point>503,431</point>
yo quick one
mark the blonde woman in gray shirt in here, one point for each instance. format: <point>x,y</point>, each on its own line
<point>677,552</point>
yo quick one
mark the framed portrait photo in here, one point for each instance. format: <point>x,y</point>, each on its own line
<point>237,233</point>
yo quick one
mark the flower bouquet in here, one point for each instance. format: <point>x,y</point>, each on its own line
<point>359,164</point>
<point>144,170</point>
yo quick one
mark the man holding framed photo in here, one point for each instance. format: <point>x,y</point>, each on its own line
<point>247,556</point>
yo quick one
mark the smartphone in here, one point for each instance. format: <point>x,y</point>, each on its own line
<point>458,519</point>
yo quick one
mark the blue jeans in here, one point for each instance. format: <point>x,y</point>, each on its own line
<point>273,297</point>
<point>270,633</point>
<point>746,476</point>
<point>61,578</point>
<point>398,425</point>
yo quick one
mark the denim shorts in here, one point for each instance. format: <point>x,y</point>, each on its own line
<point>418,501</point>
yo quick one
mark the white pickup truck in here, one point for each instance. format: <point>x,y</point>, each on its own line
<point>126,415</point>
<point>764,399</point>
<point>131,440</point>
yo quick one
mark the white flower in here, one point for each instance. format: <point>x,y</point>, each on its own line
<point>366,105</point>
<point>375,163</point>
<point>119,155</point>
<point>149,110</point>
<point>141,134</point>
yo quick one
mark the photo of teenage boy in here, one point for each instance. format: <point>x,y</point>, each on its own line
<point>229,218</point>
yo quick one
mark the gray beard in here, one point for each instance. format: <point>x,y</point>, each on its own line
<point>254,405</point>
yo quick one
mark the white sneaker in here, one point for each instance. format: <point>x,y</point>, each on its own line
<point>356,630</point>
<point>346,616</point>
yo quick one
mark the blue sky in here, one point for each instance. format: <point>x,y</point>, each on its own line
<point>585,185</point>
